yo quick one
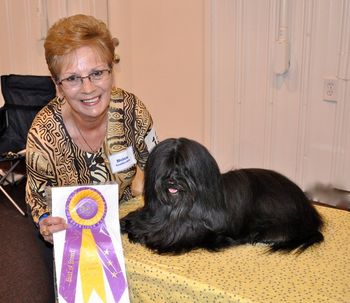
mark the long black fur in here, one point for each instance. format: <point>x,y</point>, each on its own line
<point>189,204</point>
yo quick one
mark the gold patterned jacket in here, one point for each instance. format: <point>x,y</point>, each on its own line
<point>53,159</point>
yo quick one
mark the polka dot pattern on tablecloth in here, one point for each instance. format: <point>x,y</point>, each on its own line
<point>245,273</point>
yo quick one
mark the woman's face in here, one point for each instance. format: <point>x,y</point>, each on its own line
<point>89,99</point>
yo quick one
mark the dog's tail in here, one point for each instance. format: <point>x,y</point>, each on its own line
<point>297,244</point>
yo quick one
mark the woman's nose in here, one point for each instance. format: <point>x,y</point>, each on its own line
<point>86,84</point>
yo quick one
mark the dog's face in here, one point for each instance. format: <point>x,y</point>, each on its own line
<point>174,185</point>
<point>180,171</point>
<point>183,197</point>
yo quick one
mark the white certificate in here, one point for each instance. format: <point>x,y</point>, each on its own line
<point>89,260</point>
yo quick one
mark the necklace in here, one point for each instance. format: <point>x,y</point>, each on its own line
<point>86,142</point>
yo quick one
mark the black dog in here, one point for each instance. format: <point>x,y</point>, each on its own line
<point>189,205</point>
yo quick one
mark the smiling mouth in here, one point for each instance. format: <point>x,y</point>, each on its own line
<point>90,101</point>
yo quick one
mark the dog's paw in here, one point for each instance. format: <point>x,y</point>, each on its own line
<point>123,224</point>
<point>135,238</point>
<point>134,235</point>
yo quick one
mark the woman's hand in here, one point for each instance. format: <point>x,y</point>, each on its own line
<point>50,225</point>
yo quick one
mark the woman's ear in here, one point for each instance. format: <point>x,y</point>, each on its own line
<point>59,92</point>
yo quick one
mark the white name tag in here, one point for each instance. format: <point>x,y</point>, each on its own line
<point>122,160</point>
<point>151,139</point>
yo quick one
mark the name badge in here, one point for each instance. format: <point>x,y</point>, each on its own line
<point>122,160</point>
<point>151,139</point>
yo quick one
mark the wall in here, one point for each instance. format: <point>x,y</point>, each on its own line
<point>162,49</point>
<point>23,27</point>
<point>283,121</point>
<point>205,69</point>
<point>24,24</point>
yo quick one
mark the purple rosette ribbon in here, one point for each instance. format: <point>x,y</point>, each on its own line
<point>88,248</point>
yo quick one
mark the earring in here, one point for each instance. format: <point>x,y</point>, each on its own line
<point>116,58</point>
<point>61,99</point>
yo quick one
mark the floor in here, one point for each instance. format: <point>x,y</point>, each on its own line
<point>24,265</point>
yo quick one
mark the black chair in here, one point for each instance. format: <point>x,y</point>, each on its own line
<point>24,96</point>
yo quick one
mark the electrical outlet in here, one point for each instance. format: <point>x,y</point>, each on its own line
<point>330,89</point>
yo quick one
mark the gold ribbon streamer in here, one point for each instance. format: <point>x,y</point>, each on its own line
<point>90,267</point>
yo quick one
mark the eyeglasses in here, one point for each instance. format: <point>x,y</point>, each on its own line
<point>75,81</point>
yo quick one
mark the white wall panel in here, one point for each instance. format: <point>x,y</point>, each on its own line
<point>20,29</point>
<point>243,82</point>
<point>223,69</point>
<point>97,8</point>
<point>291,94</point>
<point>257,74</point>
<point>321,115</point>
<point>341,158</point>
<point>282,121</point>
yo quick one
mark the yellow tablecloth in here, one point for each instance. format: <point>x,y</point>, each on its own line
<point>245,273</point>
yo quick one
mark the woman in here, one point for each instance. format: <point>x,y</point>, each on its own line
<point>80,135</point>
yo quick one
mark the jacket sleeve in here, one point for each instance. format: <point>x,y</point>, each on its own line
<point>40,178</point>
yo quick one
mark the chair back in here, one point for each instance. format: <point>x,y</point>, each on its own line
<point>3,120</point>
<point>24,96</point>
